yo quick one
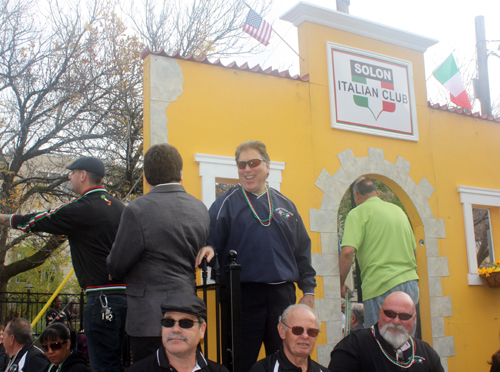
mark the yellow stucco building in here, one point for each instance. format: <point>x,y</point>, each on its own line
<point>359,108</point>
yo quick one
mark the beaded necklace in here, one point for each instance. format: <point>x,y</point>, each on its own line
<point>390,358</point>
<point>267,221</point>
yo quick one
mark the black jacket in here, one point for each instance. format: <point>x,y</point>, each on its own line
<point>159,362</point>
<point>279,359</point>
<point>90,222</point>
<point>28,359</point>
<point>359,352</point>
<point>4,358</point>
<point>73,363</point>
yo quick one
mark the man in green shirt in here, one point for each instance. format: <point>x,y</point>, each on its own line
<point>383,240</point>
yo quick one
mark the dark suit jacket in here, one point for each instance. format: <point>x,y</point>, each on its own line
<point>155,249</point>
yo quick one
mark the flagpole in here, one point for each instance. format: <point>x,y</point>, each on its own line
<point>288,45</point>
<point>278,35</point>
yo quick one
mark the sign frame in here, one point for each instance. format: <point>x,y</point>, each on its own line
<point>402,67</point>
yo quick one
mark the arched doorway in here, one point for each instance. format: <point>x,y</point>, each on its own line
<point>415,197</point>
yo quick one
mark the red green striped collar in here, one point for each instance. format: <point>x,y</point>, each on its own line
<point>94,189</point>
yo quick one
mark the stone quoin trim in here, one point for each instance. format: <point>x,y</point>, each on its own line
<point>324,221</point>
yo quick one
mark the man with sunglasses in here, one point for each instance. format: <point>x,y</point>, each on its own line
<point>90,222</point>
<point>387,345</point>
<point>274,250</point>
<point>381,236</point>
<point>298,328</point>
<point>183,326</point>
<point>18,343</point>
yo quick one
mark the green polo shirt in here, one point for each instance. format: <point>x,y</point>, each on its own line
<point>384,242</point>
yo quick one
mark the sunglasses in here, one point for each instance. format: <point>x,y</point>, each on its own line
<point>251,163</point>
<point>392,314</point>
<point>299,331</point>
<point>183,323</point>
<point>54,346</point>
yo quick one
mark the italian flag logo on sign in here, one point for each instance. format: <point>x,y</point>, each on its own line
<point>374,79</point>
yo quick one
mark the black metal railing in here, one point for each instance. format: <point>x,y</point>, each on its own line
<point>227,325</point>
<point>27,305</point>
<point>228,338</point>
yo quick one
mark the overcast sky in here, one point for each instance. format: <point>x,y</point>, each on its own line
<point>452,22</point>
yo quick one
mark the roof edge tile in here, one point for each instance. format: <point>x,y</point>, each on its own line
<point>462,111</point>
<point>232,65</point>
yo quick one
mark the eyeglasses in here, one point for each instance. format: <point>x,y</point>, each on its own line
<point>251,163</point>
<point>54,346</point>
<point>298,331</point>
<point>392,314</point>
<point>183,323</point>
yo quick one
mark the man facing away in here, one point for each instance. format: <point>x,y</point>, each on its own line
<point>90,222</point>
<point>387,345</point>
<point>183,327</point>
<point>357,316</point>
<point>156,247</point>
<point>382,237</point>
<point>18,343</point>
<point>273,247</point>
<point>298,328</point>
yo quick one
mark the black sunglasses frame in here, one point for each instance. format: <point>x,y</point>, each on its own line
<point>58,345</point>
<point>183,323</point>
<point>251,163</point>
<point>402,316</point>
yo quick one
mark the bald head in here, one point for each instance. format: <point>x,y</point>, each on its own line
<point>400,298</point>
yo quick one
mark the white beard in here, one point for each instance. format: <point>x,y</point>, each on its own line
<point>394,334</point>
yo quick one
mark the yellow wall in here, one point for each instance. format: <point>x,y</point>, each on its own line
<point>221,107</point>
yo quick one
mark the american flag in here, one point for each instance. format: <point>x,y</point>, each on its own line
<point>257,27</point>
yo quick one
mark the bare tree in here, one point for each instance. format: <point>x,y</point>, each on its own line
<point>202,27</point>
<point>60,98</point>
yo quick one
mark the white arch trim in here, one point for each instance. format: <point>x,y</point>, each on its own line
<point>324,221</point>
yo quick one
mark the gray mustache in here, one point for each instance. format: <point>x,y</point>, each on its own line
<point>170,336</point>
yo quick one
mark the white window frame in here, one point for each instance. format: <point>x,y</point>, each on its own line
<point>470,196</point>
<point>215,166</point>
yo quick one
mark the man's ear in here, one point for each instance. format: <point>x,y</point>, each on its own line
<point>281,330</point>
<point>203,328</point>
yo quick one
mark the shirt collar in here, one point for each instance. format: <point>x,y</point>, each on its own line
<point>94,189</point>
<point>287,365</point>
<point>162,359</point>
<point>166,184</point>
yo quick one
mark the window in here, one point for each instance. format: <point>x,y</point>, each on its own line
<point>477,206</point>
<point>482,235</point>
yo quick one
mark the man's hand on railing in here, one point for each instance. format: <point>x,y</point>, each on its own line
<point>207,252</point>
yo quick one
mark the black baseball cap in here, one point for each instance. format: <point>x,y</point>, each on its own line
<point>184,303</point>
<point>89,164</point>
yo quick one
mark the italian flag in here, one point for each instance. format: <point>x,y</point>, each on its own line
<point>448,74</point>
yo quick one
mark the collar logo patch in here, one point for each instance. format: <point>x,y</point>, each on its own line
<point>284,213</point>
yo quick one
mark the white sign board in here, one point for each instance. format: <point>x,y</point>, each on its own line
<point>371,93</point>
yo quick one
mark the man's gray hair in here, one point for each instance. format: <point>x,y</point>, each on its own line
<point>365,186</point>
<point>22,331</point>
<point>358,310</point>
<point>288,310</point>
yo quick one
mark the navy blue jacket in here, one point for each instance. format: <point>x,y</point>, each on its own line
<point>276,253</point>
